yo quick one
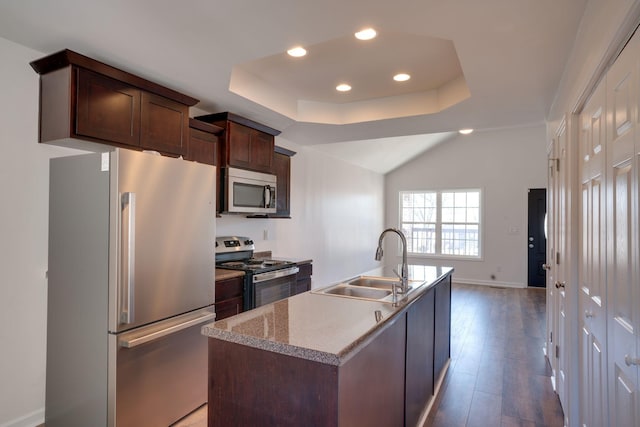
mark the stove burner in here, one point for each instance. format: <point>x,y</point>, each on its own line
<point>233,264</point>
<point>255,264</point>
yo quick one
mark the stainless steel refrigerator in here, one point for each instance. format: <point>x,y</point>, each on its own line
<point>130,283</point>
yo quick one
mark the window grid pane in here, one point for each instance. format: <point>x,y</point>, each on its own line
<point>459,222</point>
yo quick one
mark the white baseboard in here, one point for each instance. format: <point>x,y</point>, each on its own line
<point>32,419</point>
<point>494,283</point>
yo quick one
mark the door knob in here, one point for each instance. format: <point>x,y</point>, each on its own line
<point>546,266</point>
<point>588,313</point>
<point>560,285</point>
<point>628,360</point>
<point>531,245</point>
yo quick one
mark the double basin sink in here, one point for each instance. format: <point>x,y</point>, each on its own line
<point>371,288</point>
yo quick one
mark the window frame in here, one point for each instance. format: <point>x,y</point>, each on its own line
<point>438,224</point>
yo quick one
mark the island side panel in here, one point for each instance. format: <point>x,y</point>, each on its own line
<point>371,383</point>
<point>254,387</point>
<point>420,352</point>
<point>442,341</point>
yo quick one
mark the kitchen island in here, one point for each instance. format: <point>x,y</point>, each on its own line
<point>319,359</point>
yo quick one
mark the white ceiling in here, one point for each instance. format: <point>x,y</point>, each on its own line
<point>511,53</point>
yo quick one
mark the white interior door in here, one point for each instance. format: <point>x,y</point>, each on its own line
<point>592,262</point>
<point>622,263</point>
<point>562,236</point>
<point>552,238</point>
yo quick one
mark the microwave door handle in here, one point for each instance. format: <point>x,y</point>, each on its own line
<point>267,196</point>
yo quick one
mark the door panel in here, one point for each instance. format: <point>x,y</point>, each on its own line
<point>174,229</point>
<point>622,229</point>
<point>592,262</point>
<point>562,259</point>
<point>552,238</point>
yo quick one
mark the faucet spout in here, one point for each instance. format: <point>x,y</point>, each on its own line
<point>404,275</point>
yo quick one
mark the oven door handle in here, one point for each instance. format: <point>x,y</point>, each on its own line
<point>269,275</point>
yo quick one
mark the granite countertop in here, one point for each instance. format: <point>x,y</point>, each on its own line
<point>222,274</point>
<point>323,328</point>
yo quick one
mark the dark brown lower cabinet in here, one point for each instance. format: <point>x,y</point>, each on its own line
<point>303,283</point>
<point>388,382</point>
<point>229,297</point>
<point>253,387</point>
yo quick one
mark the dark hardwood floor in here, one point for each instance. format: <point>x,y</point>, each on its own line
<point>498,375</point>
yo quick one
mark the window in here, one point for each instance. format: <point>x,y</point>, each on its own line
<point>445,222</point>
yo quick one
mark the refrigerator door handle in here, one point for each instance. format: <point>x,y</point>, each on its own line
<point>130,343</point>
<point>128,201</point>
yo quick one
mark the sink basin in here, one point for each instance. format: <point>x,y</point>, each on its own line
<point>373,282</point>
<point>366,293</point>
<point>371,288</point>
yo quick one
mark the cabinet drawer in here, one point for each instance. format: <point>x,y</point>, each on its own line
<point>229,288</point>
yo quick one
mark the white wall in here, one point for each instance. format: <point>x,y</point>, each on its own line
<point>24,187</point>
<point>336,211</point>
<point>504,164</point>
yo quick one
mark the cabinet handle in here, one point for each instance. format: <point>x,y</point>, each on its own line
<point>560,285</point>
<point>628,360</point>
<point>546,266</point>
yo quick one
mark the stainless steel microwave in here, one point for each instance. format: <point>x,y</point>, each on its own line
<point>249,192</point>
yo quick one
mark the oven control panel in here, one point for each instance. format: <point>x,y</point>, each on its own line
<point>233,244</point>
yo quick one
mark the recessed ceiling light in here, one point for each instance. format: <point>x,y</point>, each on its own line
<point>402,77</point>
<point>366,34</point>
<point>343,87</point>
<point>465,131</point>
<point>297,51</point>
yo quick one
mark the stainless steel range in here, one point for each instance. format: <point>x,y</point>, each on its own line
<point>266,280</point>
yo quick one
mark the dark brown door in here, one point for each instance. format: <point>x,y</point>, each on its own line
<point>536,240</point>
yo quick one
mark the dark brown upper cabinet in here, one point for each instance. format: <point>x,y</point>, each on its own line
<point>203,142</point>
<point>204,148</point>
<point>245,144</point>
<point>81,98</point>
<point>282,170</point>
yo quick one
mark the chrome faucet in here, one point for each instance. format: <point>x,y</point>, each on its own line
<point>404,276</point>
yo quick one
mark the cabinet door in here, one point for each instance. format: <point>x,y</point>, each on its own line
<point>249,148</point>
<point>229,288</point>
<point>228,308</point>
<point>262,146</point>
<point>282,167</point>
<point>203,147</point>
<point>106,109</point>
<point>238,145</point>
<point>163,124</point>
<point>419,371</point>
